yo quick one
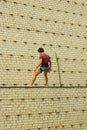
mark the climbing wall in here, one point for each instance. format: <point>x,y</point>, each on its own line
<point>56,25</point>
<point>43,109</point>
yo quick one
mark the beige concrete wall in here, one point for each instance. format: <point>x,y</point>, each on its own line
<point>57,25</point>
<point>43,109</point>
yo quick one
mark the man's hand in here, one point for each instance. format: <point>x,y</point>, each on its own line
<point>39,64</point>
<point>35,69</point>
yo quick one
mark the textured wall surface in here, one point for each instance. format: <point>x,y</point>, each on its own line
<point>57,25</point>
<point>43,109</point>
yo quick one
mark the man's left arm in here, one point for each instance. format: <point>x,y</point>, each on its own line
<point>39,64</point>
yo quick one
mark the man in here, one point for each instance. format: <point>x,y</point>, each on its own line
<point>44,65</point>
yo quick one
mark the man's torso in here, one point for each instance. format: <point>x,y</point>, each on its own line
<point>45,59</point>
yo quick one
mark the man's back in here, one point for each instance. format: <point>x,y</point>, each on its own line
<point>45,59</point>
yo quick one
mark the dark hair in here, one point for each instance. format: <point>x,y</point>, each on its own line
<point>40,50</point>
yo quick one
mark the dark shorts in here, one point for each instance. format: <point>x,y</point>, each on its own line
<point>45,69</point>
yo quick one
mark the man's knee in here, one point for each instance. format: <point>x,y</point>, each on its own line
<point>36,74</point>
<point>45,74</point>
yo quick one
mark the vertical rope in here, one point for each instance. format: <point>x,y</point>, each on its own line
<point>58,67</point>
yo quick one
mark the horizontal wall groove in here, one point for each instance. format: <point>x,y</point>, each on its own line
<point>45,32</point>
<point>42,7</point>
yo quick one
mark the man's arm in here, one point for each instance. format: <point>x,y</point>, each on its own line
<point>39,63</point>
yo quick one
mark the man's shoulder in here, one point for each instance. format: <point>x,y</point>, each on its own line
<point>44,55</point>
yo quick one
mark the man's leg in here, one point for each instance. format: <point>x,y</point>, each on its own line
<point>46,78</point>
<point>34,78</point>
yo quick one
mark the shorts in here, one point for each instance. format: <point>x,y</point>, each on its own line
<point>45,69</point>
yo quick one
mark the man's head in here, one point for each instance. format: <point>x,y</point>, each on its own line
<point>40,50</point>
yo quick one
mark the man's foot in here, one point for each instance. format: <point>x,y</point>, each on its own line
<point>46,86</point>
<point>29,85</point>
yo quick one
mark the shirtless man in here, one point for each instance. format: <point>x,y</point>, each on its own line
<point>44,65</point>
